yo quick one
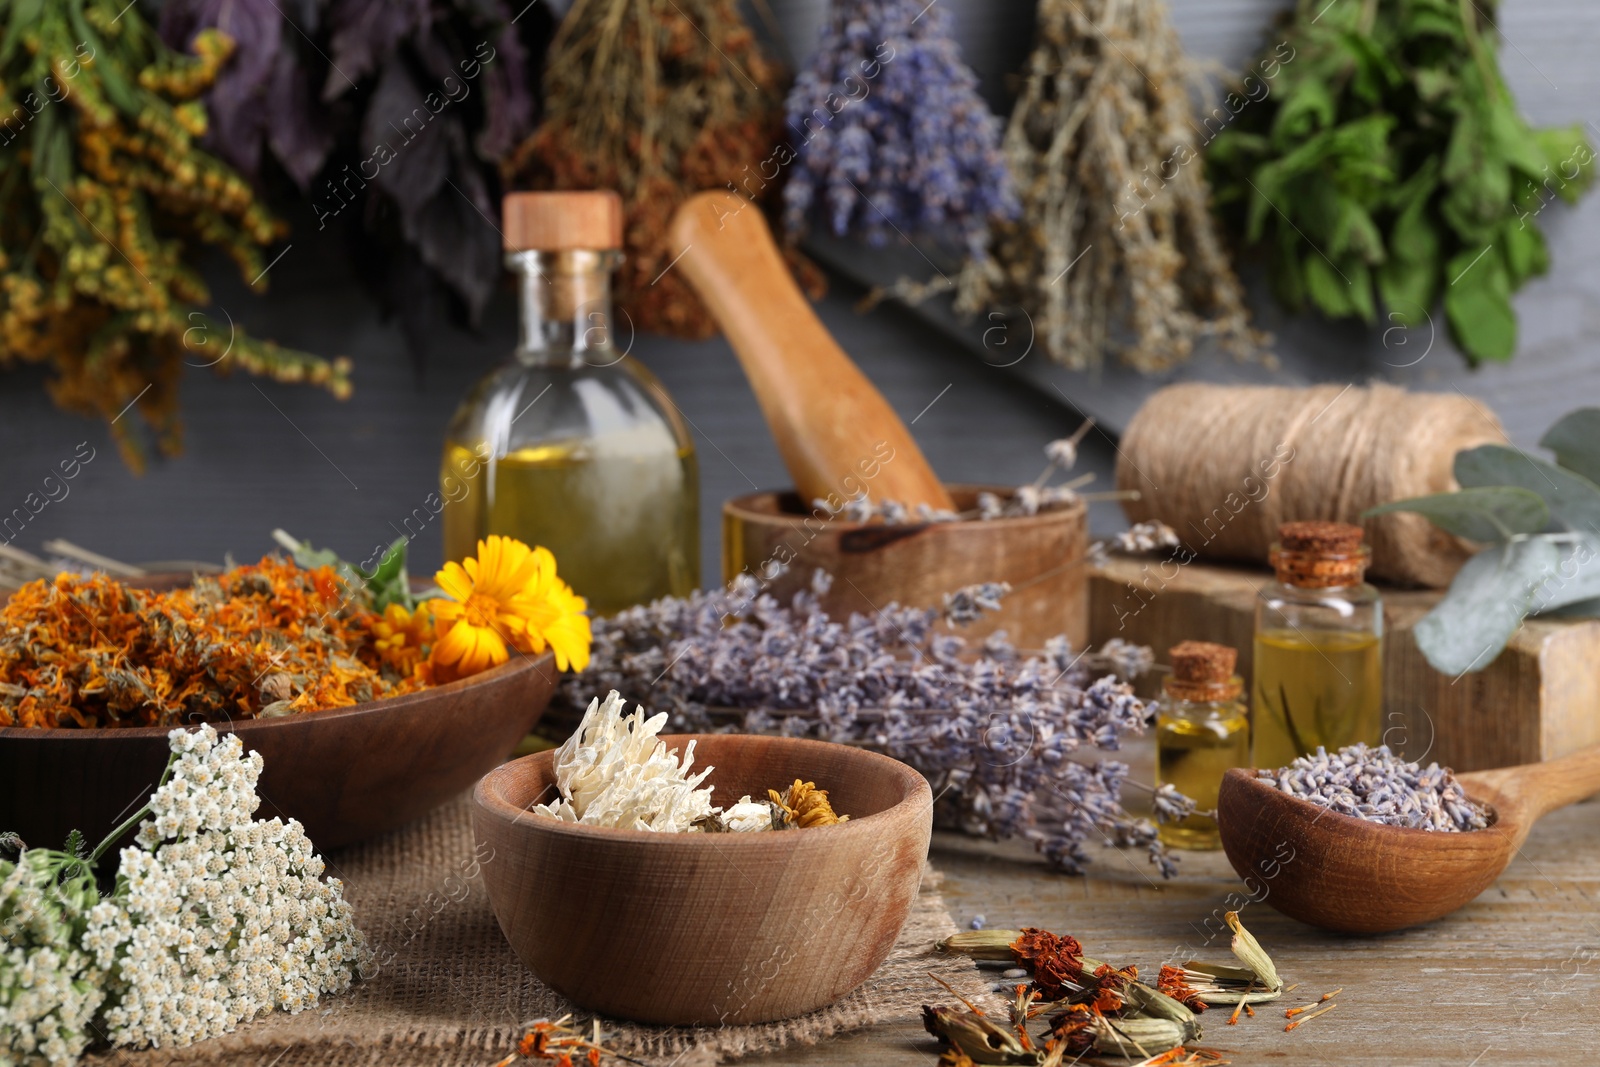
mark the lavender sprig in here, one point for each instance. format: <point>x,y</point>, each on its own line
<point>891,133</point>
<point>997,732</point>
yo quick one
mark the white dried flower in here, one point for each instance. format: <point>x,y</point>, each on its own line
<point>1063,453</point>
<point>216,918</point>
<point>859,508</point>
<point>615,771</point>
<point>748,816</point>
<point>990,506</point>
<point>49,987</point>
<point>1146,537</point>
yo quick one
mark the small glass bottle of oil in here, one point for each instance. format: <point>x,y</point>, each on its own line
<point>572,444</point>
<point>1318,648</point>
<point>1202,729</point>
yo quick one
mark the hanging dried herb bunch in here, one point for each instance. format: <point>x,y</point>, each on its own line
<point>657,99</point>
<point>1116,248</point>
<point>105,201</point>
<point>390,118</point>
<point>891,134</point>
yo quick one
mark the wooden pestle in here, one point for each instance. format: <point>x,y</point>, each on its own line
<point>831,425</point>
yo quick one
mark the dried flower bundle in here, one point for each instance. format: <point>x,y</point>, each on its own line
<point>215,920</point>
<point>106,204</point>
<point>1376,785</point>
<point>391,117</point>
<point>1116,247</point>
<point>892,136</point>
<point>616,771</point>
<point>657,99</point>
<point>994,731</point>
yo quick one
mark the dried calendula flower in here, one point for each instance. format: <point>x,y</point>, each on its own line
<point>805,806</point>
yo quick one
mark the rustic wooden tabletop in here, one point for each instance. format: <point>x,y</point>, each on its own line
<point>1514,978</point>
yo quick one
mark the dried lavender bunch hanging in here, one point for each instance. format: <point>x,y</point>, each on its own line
<point>891,134</point>
<point>1117,249</point>
<point>994,730</point>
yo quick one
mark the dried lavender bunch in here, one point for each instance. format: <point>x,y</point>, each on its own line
<point>891,134</point>
<point>1039,495</point>
<point>1376,785</point>
<point>994,729</point>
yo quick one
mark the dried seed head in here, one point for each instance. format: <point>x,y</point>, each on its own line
<point>1252,955</point>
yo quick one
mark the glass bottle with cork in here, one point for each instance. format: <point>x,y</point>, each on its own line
<point>1318,646</point>
<point>571,444</point>
<point>1202,729</point>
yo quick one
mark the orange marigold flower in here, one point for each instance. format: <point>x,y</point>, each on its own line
<point>506,598</point>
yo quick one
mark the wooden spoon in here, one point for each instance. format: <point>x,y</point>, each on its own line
<point>835,431</point>
<point>1344,873</point>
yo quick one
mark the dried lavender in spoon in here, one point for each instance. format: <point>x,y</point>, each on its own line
<point>1376,785</point>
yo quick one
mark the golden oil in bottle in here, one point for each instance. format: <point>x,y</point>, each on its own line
<point>1315,688</point>
<point>645,543</point>
<point>1318,667</point>
<point>1202,729</point>
<point>573,444</point>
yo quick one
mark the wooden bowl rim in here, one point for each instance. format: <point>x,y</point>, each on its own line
<point>523,662</point>
<point>743,507</point>
<point>1367,828</point>
<point>490,799</point>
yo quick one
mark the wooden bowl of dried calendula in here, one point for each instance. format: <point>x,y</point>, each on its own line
<point>709,918</point>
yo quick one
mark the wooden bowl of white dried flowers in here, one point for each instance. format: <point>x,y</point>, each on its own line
<point>710,915</point>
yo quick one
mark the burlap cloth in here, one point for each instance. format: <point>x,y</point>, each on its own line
<point>455,994</point>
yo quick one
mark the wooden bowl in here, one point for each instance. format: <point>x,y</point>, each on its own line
<point>346,773</point>
<point>705,929</point>
<point>1042,556</point>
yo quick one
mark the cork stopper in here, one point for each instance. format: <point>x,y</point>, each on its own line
<point>1203,671</point>
<point>1202,661</point>
<point>1320,555</point>
<point>562,222</point>
<point>1339,538</point>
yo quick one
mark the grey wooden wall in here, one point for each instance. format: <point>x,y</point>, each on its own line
<point>261,455</point>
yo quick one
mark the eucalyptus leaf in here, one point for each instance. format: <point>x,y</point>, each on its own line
<point>1486,604</point>
<point>1575,439</point>
<point>1572,499</point>
<point>1575,579</point>
<point>1489,513</point>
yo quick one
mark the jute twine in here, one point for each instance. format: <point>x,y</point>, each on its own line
<point>451,993</point>
<point>1225,465</point>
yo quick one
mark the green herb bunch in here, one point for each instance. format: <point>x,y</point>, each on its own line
<point>106,200</point>
<point>1389,167</point>
<point>1540,525</point>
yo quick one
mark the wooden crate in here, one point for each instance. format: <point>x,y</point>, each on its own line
<point>1539,699</point>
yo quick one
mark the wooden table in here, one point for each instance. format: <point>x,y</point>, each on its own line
<point>1514,978</point>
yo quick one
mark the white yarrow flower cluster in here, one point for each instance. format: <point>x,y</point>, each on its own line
<point>217,918</point>
<point>49,988</point>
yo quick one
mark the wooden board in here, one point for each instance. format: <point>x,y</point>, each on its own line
<point>1539,699</point>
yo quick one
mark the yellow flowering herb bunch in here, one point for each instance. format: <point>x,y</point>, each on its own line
<point>105,199</point>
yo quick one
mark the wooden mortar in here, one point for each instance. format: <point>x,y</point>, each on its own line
<point>1041,556</point>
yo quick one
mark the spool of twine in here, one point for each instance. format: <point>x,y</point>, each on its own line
<point>1225,465</point>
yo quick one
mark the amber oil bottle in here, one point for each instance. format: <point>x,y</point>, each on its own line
<point>1202,729</point>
